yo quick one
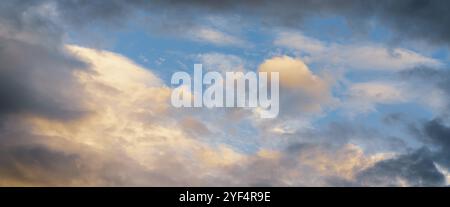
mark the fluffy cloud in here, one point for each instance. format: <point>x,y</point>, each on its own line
<point>215,36</point>
<point>300,89</point>
<point>294,74</point>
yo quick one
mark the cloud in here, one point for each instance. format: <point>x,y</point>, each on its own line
<point>131,138</point>
<point>294,74</point>
<point>437,133</point>
<point>435,85</point>
<point>221,62</point>
<point>31,77</point>
<point>415,169</point>
<point>353,56</point>
<point>26,164</point>
<point>35,66</point>
<point>364,97</point>
<point>300,89</point>
<point>302,164</point>
<point>194,126</point>
<point>37,80</point>
<point>78,116</point>
<point>215,36</point>
<point>410,19</point>
<point>426,166</point>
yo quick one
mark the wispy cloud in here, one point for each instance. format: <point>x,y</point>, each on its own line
<point>355,56</point>
<point>214,36</point>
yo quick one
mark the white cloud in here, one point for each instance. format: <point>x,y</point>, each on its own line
<point>214,36</point>
<point>352,56</point>
<point>300,89</point>
<point>304,96</point>
<point>363,97</point>
<point>221,62</point>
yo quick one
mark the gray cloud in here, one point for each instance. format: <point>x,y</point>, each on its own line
<point>428,20</point>
<point>431,78</point>
<point>438,134</point>
<point>414,169</point>
<point>35,68</point>
<point>36,75</point>
<point>413,19</point>
<point>36,165</point>
<point>417,168</point>
<point>31,79</point>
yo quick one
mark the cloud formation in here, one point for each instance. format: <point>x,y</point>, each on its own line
<point>405,19</point>
<point>301,90</point>
<point>363,97</point>
<point>414,19</point>
<point>422,167</point>
<point>78,116</point>
<point>353,56</point>
<point>130,138</point>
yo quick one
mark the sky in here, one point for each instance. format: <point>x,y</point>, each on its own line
<point>85,91</point>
